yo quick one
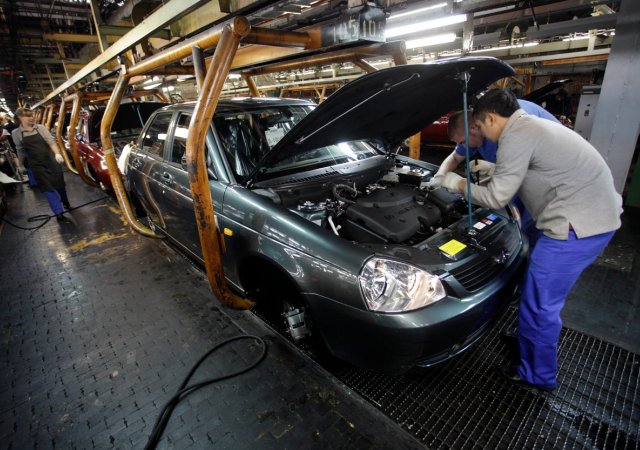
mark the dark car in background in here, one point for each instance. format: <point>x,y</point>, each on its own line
<point>329,229</point>
<point>127,125</point>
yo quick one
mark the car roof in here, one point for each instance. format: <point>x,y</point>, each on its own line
<point>230,104</point>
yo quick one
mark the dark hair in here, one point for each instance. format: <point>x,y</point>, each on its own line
<point>496,101</point>
<point>455,121</point>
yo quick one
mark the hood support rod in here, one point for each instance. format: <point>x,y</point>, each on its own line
<point>465,77</point>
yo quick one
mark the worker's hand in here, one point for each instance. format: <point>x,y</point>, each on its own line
<point>483,168</point>
<point>436,181</point>
<point>59,158</point>
<point>451,182</point>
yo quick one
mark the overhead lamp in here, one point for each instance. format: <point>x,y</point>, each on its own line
<point>151,86</point>
<point>575,38</point>
<point>431,40</point>
<point>417,11</point>
<point>235,76</point>
<point>425,25</point>
<point>506,47</point>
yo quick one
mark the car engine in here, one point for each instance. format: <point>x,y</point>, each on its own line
<point>398,208</point>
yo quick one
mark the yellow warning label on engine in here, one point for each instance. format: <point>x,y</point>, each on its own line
<point>452,247</point>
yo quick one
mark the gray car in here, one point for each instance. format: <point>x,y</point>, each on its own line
<point>333,232</point>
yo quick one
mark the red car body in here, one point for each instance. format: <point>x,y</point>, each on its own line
<point>436,132</point>
<point>127,125</point>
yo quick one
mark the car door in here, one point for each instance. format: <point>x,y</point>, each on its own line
<point>147,163</point>
<point>176,201</point>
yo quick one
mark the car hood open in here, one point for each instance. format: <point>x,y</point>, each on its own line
<point>388,106</point>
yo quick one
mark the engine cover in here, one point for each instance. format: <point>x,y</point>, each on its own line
<point>394,213</point>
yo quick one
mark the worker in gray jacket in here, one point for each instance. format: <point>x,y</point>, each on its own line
<point>568,189</point>
<point>35,142</point>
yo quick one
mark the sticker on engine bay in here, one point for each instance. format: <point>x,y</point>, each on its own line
<point>452,247</point>
<point>479,225</point>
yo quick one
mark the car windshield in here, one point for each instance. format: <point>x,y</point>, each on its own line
<point>330,155</point>
<point>247,135</point>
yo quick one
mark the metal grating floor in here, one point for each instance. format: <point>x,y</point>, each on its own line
<point>462,404</point>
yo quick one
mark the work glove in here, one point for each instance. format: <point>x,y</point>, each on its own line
<point>484,169</point>
<point>451,182</point>
<point>435,181</point>
<point>59,158</point>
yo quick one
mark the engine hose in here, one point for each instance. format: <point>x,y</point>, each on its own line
<point>339,187</point>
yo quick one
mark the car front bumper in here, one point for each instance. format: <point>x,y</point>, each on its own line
<point>394,343</point>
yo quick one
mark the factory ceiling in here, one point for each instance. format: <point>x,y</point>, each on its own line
<point>45,42</point>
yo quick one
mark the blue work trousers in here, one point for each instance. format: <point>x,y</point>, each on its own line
<point>554,267</point>
<point>56,199</point>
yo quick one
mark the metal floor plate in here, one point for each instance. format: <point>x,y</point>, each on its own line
<point>463,404</point>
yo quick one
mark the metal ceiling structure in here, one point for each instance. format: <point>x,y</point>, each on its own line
<point>61,45</point>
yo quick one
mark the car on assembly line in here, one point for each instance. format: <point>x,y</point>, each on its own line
<point>333,232</point>
<point>127,125</point>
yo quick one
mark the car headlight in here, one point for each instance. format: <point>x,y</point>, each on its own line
<point>394,286</point>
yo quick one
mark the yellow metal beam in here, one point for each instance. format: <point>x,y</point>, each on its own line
<point>73,37</point>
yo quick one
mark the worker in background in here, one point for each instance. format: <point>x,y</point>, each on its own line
<point>7,125</point>
<point>568,188</point>
<point>486,150</point>
<point>36,143</point>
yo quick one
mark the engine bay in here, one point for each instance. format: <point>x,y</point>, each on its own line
<point>397,207</point>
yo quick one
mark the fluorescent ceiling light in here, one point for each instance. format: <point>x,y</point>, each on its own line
<point>416,11</point>
<point>575,38</point>
<point>235,76</point>
<point>152,86</point>
<point>486,12</point>
<point>506,47</point>
<point>425,25</point>
<point>431,40</point>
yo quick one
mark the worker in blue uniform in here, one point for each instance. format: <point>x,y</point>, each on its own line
<point>568,188</point>
<point>486,150</point>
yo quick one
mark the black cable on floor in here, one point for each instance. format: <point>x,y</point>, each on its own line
<point>45,218</point>
<point>184,390</point>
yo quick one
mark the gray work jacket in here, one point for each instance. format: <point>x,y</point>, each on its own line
<point>560,177</point>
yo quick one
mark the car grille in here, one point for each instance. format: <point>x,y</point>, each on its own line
<point>478,272</point>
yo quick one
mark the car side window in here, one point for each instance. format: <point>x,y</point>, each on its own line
<point>179,147</point>
<point>156,134</point>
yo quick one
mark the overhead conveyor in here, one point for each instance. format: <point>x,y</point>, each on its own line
<point>226,39</point>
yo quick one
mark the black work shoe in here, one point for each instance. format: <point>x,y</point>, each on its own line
<point>60,217</point>
<point>67,206</point>
<point>510,342</point>
<point>509,372</point>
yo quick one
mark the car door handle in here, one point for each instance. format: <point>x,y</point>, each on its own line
<point>167,177</point>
